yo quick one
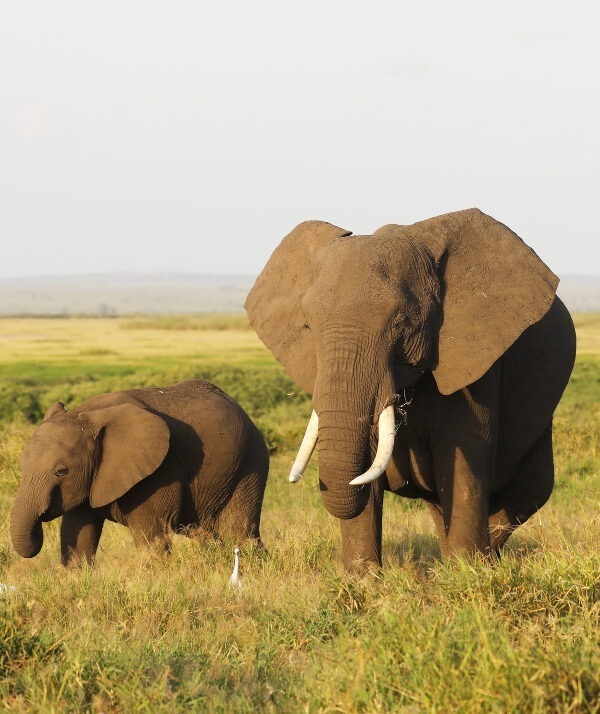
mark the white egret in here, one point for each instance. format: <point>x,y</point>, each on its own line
<point>235,582</point>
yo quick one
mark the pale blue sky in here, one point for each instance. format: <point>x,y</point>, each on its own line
<point>192,136</point>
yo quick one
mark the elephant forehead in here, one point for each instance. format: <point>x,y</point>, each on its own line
<point>50,440</point>
<point>378,259</point>
<point>347,250</point>
<point>371,270</point>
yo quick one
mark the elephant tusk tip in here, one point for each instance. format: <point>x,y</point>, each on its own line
<point>295,476</point>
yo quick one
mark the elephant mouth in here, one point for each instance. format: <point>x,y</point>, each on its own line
<point>406,374</point>
<point>49,515</point>
<point>55,509</point>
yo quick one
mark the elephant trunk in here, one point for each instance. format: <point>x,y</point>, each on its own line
<point>343,449</point>
<point>351,390</point>
<point>26,526</point>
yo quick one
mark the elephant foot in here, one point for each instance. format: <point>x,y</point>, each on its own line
<point>489,556</point>
<point>362,568</point>
<point>72,559</point>
<point>499,533</point>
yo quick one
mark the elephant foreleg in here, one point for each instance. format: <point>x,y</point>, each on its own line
<point>528,490</point>
<point>80,533</point>
<point>361,536</point>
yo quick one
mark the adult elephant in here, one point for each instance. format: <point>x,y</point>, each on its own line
<point>450,324</point>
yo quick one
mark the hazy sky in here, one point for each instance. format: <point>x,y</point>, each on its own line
<point>192,136</point>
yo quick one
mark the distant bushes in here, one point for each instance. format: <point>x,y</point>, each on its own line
<point>204,321</point>
<point>260,391</point>
<point>19,401</point>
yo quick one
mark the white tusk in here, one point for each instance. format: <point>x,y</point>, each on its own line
<point>306,448</point>
<point>385,446</point>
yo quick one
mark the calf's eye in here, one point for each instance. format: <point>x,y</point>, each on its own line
<point>61,471</point>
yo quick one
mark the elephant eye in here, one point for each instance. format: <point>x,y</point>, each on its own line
<point>402,322</point>
<point>61,471</point>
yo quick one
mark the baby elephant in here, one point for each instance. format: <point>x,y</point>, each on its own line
<point>156,460</point>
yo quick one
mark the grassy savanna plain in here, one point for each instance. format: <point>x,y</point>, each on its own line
<point>142,632</point>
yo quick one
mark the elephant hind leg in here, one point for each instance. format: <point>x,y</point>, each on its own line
<point>440,525</point>
<point>156,539</point>
<point>149,528</point>
<point>240,517</point>
<point>527,491</point>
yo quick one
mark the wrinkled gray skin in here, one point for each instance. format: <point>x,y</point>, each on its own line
<point>156,460</point>
<point>461,314</point>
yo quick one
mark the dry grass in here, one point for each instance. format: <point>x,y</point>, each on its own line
<point>125,340</point>
<point>145,633</point>
<point>587,325</point>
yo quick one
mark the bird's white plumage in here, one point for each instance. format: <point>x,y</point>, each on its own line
<point>235,582</point>
<point>7,589</point>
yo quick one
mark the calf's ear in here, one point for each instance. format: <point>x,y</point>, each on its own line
<point>134,443</point>
<point>54,409</point>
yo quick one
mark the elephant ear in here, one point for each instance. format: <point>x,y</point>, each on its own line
<point>54,409</point>
<point>274,303</point>
<point>494,287</point>
<point>134,444</point>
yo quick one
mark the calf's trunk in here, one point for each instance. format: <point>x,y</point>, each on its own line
<point>26,526</point>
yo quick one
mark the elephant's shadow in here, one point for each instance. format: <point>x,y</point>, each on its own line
<point>422,549</point>
<point>520,548</point>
